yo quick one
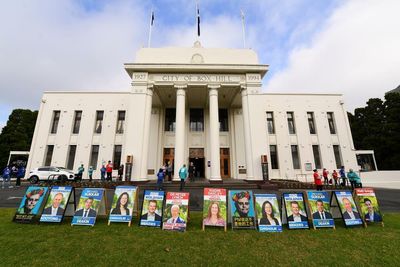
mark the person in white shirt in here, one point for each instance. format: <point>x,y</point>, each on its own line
<point>55,208</point>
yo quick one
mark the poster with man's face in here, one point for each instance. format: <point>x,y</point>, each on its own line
<point>268,213</point>
<point>176,211</point>
<point>123,204</point>
<point>320,209</point>
<point>242,209</point>
<point>55,206</point>
<point>152,212</point>
<point>348,208</point>
<point>30,204</point>
<point>296,213</point>
<point>369,205</point>
<point>88,206</point>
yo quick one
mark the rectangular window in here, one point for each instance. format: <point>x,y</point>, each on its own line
<point>49,155</point>
<point>295,157</point>
<point>56,119</point>
<point>77,121</point>
<point>94,155</point>
<point>71,157</point>
<point>223,120</point>
<point>311,123</point>
<point>98,126</point>
<point>196,120</point>
<point>121,121</point>
<point>338,157</point>
<point>270,123</point>
<point>290,120</point>
<point>274,157</point>
<point>331,122</point>
<point>117,156</point>
<point>170,117</point>
<point>317,156</point>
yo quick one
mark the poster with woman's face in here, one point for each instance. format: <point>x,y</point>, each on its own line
<point>369,205</point>
<point>268,214</point>
<point>348,208</point>
<point>242,209</point>
<point>123,204</point>
<point>214,207</point>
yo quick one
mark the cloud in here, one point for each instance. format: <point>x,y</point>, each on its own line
<point>356,53</point>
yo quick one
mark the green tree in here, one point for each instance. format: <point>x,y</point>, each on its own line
<point>18,133</point>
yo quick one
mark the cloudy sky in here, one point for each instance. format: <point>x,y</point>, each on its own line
<point>330,46</point>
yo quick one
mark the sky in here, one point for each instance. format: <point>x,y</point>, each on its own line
<point>331,46</point>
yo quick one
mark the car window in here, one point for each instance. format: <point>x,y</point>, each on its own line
<point>43,169</point>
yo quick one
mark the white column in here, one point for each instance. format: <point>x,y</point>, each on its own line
<point>146,133</point>
<point>247,135</point>
<point>179,157</point>
<point>214,133</point>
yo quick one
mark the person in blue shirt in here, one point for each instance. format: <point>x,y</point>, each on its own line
<point>103,173</point>
<point>20,175</point>
<point>183,174</point>
<point>6,176</point>
<point>342,174</point>
<point>160,179</point>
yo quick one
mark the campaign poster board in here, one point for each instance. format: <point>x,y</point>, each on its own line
<point>296,211</point>
<point>320,208</point>
<point>89,205</point>
<point>123,204</point>
<point>242,209</point>
<point>348,208</point>
<point>176,211</point>
<point>214,207</point>
<point>268,213</point>
<point>152,208</point>
<point>56,204</point>
<point>31,204</point>
<point>369,206</point>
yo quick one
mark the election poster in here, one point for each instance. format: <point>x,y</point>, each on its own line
<point>30,204</point>
<point>268,214</point>
<point>214,207</point>
<point>242,209</point>
<point>296,212</point>
<point>176,211</point>
<point>369,205</point>
<point>89,204</point>
<point>320,209</point>
<point>348,208</point>
<point>56,204</point>
<point>152,208</point>
<point>123,204</point>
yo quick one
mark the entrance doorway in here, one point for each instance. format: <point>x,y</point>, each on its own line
<point>196,155</point>
<point>168,158</point>
<point>225,163</point>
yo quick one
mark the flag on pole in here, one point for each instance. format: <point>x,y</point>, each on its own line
<point>150,26</point>
<point>243,28</point>
<point>198,19</point>
<point>152,18</point>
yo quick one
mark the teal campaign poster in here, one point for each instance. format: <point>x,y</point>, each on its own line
<point>268,215</point>
<point>30,204</point>
<point>348,208</point>
<point>88,206</point>
<point>123,204</point>
<point>320,209</point>
<point>296,212</point>
<point>242,209</point>
<point>56,204</point>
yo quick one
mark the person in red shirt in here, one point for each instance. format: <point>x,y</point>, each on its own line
<point>335,177</point>
<point>325,175</point>
<point>317,180</point>
<point>109,169</point>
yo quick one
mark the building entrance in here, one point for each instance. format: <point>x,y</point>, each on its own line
<point>196,155</point>
<point>225,163</point>
<point>168,158</point>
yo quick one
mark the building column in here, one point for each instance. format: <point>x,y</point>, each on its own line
<point>247,134</point>
<point>214,133</point>
<point>179,157</point>
<point>146,132</point>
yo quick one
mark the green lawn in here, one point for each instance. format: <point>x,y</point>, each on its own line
<point>119,245</point>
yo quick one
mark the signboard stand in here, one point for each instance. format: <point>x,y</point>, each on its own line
<point>335,203</point>
<point>31,205</point>
<point>151,212</point>
<point>46,218</point>
<point>214,208</point>
<point>366,201</point>
<point>88,217</point>
<point>120,191</point>
<point>70,209</point>
<point>310,208</point>
<point>295,200</point>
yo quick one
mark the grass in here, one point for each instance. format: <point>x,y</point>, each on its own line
<point>118,245</point>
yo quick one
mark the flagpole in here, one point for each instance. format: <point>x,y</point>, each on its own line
<point>150,26</point>
<point>243,28</point>
<point>197,20</point>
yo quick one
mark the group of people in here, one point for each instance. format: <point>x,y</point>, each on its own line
<point>339,178</point>
<point>163,172</point>
<point>105,172</point>
<point>13,172</point>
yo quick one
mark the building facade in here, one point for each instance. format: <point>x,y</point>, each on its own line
<point>197,105</point>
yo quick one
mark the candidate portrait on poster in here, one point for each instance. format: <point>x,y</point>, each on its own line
<point>88,206</point>
<point>56,203</point>
<point>242,209</point>
<point>32,200</point>
<point>176,211</point>
<point>151,214</point>
<point>320,208</point>
<point>348,208</point>
<point>268,215</point>
<point>369,205</point>
<point>295,210</point>
<point>214,207</point>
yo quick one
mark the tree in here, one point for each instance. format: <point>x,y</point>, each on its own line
<point>18,133</point>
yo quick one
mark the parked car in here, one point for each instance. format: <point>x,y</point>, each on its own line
<point>43,173</point>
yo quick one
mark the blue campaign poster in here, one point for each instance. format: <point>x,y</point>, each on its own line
<point>30,204</point>
<point>56,204</point>
<point>152,208</point>
<point>296,213</point>
<point>123,204</point>
<point>348,208</point>
<point>88,206</point>
<point>242,209</point>
<point>320,209</point>
<point>268,213</point>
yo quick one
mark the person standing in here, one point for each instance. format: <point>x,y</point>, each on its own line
<point>90,172</point>
<point>342,174</point>
<point>103,173</point>
<point>317,180</point>
<point>183,174</point>
<point>14,171</point>
<point>109,169</point>
<point>120,171</point>
<point>169,170</point>
<point>20,175</point>
<point>325,175</point>
<point>354,179</point>
<point>81,169</point>
<point>6,177</point>
<point>160,179</point>
<point>192,170</point>
<point>335,177</point>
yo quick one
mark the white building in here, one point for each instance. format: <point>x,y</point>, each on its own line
<point>196,105</point>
